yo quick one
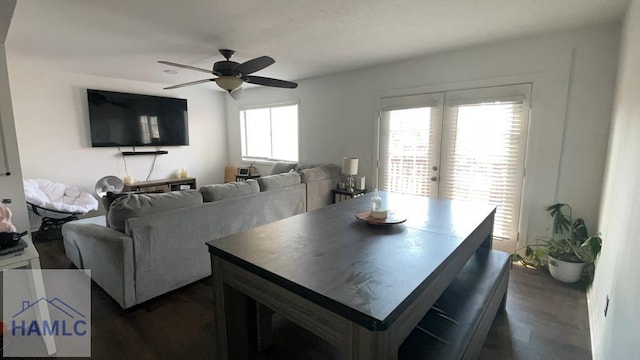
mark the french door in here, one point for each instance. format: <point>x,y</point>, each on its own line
<point>465,145</point>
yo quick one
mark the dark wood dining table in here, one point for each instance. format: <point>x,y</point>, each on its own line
<point>359,286</point>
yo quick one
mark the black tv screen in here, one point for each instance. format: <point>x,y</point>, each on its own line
<point>122,119</point>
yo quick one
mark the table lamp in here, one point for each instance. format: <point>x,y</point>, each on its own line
<point>350,168</point>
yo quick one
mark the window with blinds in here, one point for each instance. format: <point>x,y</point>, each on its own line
<point>270,133</point>
<point>470,147</point>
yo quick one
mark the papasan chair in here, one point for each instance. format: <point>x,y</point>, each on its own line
<point>56,203</point>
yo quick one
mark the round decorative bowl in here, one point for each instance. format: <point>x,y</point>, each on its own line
<point>392,218</point>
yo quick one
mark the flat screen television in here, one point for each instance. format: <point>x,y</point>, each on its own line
<point>122,119</point>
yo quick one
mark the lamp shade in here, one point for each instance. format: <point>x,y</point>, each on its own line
<point>350,166</point>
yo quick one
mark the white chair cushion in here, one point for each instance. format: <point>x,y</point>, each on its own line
<point>57,196</point>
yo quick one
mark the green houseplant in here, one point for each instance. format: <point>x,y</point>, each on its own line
<point>569,249</point>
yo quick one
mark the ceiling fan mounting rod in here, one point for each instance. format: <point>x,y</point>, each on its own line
<point>227,53</point>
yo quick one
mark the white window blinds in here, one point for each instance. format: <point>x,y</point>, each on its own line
<point>410,146</point>
<point>465,145</point>
<point>484,140</point>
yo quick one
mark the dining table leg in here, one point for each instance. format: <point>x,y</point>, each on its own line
<point>366,344</point>
<point>234,317</point>
<point>264,324</point>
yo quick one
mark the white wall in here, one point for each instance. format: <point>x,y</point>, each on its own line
<point>616,336</point>
<point>51,116</point>
<point>573,76</point>
<point>10,186</point>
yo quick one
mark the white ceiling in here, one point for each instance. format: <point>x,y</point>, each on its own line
<point>124,38</point>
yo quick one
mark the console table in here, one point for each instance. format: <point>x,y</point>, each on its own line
<point>164,185</point>
<point>360,287</point>
<point>246,177</point>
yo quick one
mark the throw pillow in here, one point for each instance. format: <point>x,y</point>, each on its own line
<point>283,167</point>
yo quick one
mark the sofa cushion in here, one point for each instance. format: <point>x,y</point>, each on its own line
<point>283,167</point>
<point>135,205</point>
<point>110,197</point>
<point>229,190</point>
<point>319,173</point>
<point>272,182</point>
<point>305,166</point>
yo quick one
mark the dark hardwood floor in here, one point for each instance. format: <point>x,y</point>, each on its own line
<point>544,319</point>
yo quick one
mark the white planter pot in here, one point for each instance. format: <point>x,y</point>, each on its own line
<point>565,271</point>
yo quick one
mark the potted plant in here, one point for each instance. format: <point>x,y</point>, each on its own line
<point>569,249</point>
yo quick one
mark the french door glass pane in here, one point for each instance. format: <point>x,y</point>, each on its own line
<point>483,152</point>
<point>409,150</point>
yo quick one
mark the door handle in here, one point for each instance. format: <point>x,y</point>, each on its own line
<point>435,178</point>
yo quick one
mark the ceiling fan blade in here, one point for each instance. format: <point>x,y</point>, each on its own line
<point>259,80</point>
<point>184,66</point>
<point>254,65</point>
<point>189,84</point>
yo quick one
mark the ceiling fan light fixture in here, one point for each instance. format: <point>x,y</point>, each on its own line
<point>229,83</point>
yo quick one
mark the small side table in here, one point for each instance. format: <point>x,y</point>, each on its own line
<point>30,259</point>
<point>341,195</point>
<point>246,177</point>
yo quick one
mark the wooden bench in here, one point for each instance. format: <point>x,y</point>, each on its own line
<point>457,324</point>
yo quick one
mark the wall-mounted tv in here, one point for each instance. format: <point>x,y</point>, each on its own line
<point>122,119</point>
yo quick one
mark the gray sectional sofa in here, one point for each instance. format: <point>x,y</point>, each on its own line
<point>154,243</point>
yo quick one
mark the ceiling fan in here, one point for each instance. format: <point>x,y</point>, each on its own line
<point>231,75</point>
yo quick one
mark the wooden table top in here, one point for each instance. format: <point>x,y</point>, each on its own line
<point>363,272</point>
